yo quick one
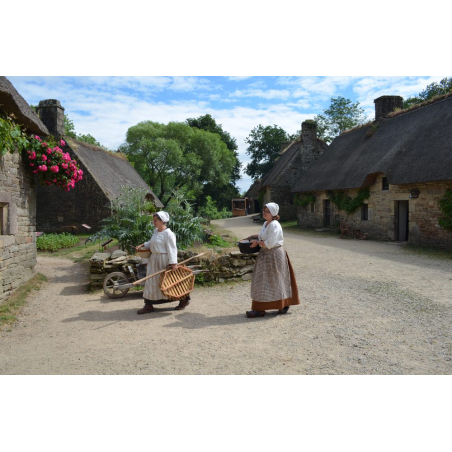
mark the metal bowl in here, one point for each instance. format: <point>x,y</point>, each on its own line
<point>245,247</point>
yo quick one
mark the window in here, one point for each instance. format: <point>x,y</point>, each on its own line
<point>3,217</point>
<point>384,183</point>
<point>312,207</point>
<point>365,212</point>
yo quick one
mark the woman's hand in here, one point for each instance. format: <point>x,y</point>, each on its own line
<point>257,242</point>
<point>139,246</point>
<point>174,266</point>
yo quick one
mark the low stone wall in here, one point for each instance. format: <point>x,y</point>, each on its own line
<point>232,266</point>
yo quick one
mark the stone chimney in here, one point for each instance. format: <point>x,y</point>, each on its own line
<point>51,114</point>
<point>387,104</point>
<point>309,132</point>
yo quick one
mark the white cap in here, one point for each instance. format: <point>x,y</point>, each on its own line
<point>163,216</point>
<point>273,208</point>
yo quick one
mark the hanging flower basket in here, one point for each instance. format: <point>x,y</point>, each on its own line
<point>53,166</point>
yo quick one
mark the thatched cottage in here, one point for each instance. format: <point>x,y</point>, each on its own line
<point>17,199</point>
<point>404,160</point>
<point>104,174</point>
<point>296,158</point>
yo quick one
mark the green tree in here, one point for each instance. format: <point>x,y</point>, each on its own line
<point>264,146</point>
<point>342,115</point>
<point>432,90</point>
<point>221,195</point>
<point>176,156</point>
<point>69,131</point>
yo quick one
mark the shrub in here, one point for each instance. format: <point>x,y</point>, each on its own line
<point>131,219</point>
<point>211,212</point>
<point>54,242</point>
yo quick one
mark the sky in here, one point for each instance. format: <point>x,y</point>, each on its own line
<point>106,106</point>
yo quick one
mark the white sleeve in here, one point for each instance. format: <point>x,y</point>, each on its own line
<point>147,245</point>
<point>171,247</point>
<point>273,235</point>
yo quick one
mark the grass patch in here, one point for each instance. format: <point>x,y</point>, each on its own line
<point>14,304</point>
<point>79,252</point>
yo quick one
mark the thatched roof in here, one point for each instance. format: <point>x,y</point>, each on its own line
<point>412,147</point>
<point>286,156</point>
<point>253,191</point>
<point>108,170</point>
<point>12,102</point>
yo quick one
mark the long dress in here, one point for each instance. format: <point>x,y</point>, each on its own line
<point>273,285</point>
<point>164,252</point>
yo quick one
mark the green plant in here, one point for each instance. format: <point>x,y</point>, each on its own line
<point>216,240</point>
<point>12,137</point>
<point>183,222</point>
<point>54,242</point>
<point>131,219</point>
<point>445,205</point>
<point>211,212</point>
<point>372,129</point>
<point>303,199</point>
<point>344,202</point>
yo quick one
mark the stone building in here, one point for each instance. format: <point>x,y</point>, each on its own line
<point>253,195</point>
<point>104,172</point>
<point>404,158</point>
<point>17,199</point>
<point>296,158</point>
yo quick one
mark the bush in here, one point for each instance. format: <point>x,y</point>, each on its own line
<point>131,219</point>
<point>183,223</point>
<point>54,242</point>
<point>211,212</point>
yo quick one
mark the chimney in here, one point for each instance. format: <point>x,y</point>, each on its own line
<point>51,114</point>
<point>308,131</point>
<point>387,104</point>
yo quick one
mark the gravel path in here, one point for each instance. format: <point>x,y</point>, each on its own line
<point>367,308</point>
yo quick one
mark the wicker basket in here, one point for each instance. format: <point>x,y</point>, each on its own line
<point>176,284</point>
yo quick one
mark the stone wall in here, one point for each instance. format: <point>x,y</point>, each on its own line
<point>423,213</point>
<point>18,224</point>
<point>85,204</point>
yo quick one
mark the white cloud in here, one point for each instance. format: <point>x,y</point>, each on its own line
<point>238,78</point>
<point>265,94</point>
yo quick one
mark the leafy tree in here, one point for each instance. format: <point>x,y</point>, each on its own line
<point>176,156</point>
<point>221,195</point>
<point>264,146</point>
<point>432,90</point>
<point>343,114</point>
<point>210,210</point>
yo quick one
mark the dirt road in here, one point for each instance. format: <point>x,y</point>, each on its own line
<point>367,308</point>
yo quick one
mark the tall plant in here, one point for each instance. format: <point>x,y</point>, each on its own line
<point>183,222</point>
<point>130,221</point>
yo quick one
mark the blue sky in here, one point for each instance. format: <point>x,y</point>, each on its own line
<point>106,107</point>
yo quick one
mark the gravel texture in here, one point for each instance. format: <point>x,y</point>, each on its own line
<point>366,308</point>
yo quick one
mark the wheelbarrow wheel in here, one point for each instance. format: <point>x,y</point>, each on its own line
<point>112,283</point>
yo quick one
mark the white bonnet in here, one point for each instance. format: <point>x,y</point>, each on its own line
<point>163,216</point>
<point>273,208</point>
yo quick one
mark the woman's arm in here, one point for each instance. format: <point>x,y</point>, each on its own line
<point>170,242</point>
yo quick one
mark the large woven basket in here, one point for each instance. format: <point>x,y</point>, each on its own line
<point>176,284</point>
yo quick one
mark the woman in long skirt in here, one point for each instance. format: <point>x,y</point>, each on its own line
<point>163,254</point>
<point>273,285</point>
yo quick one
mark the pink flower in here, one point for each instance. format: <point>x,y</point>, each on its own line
<point>62,143</point>
<point>35,171</point>
<point>80,172</point>
<point>32,164</point>
<point>54,168</point>
<point>49,151</point>
<point>64,165</point>
<point>66,157</point>
<point>42,168</point>
<point>44,157</point>
<point>44,144</point>
<point>32,155</point>
<point>37,138</point>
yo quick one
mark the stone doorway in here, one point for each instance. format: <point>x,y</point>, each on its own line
<point>401,212</point>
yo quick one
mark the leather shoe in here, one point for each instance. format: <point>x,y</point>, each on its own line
<point>182,305</point>
<point>253,314</point>
<point>147,308</point>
